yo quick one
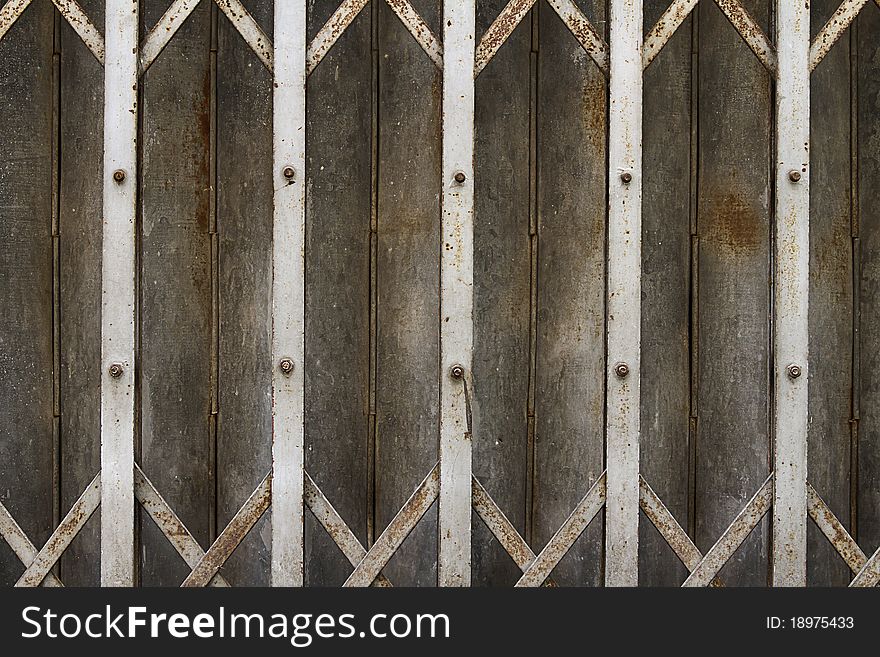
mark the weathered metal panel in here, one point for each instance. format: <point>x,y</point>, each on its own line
<point>733,295</point>
<point>570,341</point>
<point>504,172</point>
<point>407,269</point>
<point>669,145</point>
<point>27,441</point>
<point>340,145</point>
<point>118,295</point>
<point>244,226</point>
<point>176,345</point>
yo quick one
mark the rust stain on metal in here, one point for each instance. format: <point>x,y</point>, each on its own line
<point>329,34</point>
<point>834,531</point>
<point>735,224</point>
<point>750,31</point>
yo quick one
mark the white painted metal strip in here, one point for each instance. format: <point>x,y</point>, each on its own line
<point>869,575</point>
<point>118,294</point>
<point>10,12</point>
<point>249,29</point>
<point>159,37</point>
<point>791,285</point>
<point>83,26</point>
<point>288,290</point>
<point>659,35</point>
<point>833,29</point>
<point>624,294</point>
<point>456,293</point>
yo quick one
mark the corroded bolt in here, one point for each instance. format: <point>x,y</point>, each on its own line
<point>626,177</point>
<point>119,175</point>
<point>115,370</point>
<point>289,173</point>
<point>460,177</point>
<point>456,371</point>
<point>794,371</point>
<point>621,370</point>
<point>286,366</point>
<point>794,175</point>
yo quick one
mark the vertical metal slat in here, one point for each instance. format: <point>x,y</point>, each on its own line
<point>456,292</point>
<point>118,294</point>
<point>791,290</point>
<point>624,293</point>
<point>288,291</point>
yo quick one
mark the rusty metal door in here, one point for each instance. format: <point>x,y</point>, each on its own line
<point>575,292</point>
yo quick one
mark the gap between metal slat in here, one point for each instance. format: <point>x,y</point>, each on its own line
<point>170,524</point>
<point>67,530</point>
<point>733,536</point>
<point>791,299</point>
<point>623,300</point>
<point>456,315</point>
<point>397,530</point>
<point>566,535</point>
<point>288,290</point>
<point>83,26</point>
<point>234,533</point>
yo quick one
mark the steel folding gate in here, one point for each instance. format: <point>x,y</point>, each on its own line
<point>621,490</point>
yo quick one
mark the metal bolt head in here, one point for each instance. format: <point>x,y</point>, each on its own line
<point>288,172</point>
<point>794,175</point>
<point>115,370</point>
<point>621,370</point>
<point>626,177</point>
<point>456,371</point>
<point>286,366</point>
<point>460,177</point>
<point>794,371</point>
<point>119,175</point>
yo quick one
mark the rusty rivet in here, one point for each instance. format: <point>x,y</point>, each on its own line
<point>621,370</point>
<point>626,177</point>
<point>460,177</point>
<point>119,175</point>
<point>794,175</point>
<point>794,371</point>
<point>115,370</point>
<point>286,366</point>
<point>288,172</point>
<point>456,371</point>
